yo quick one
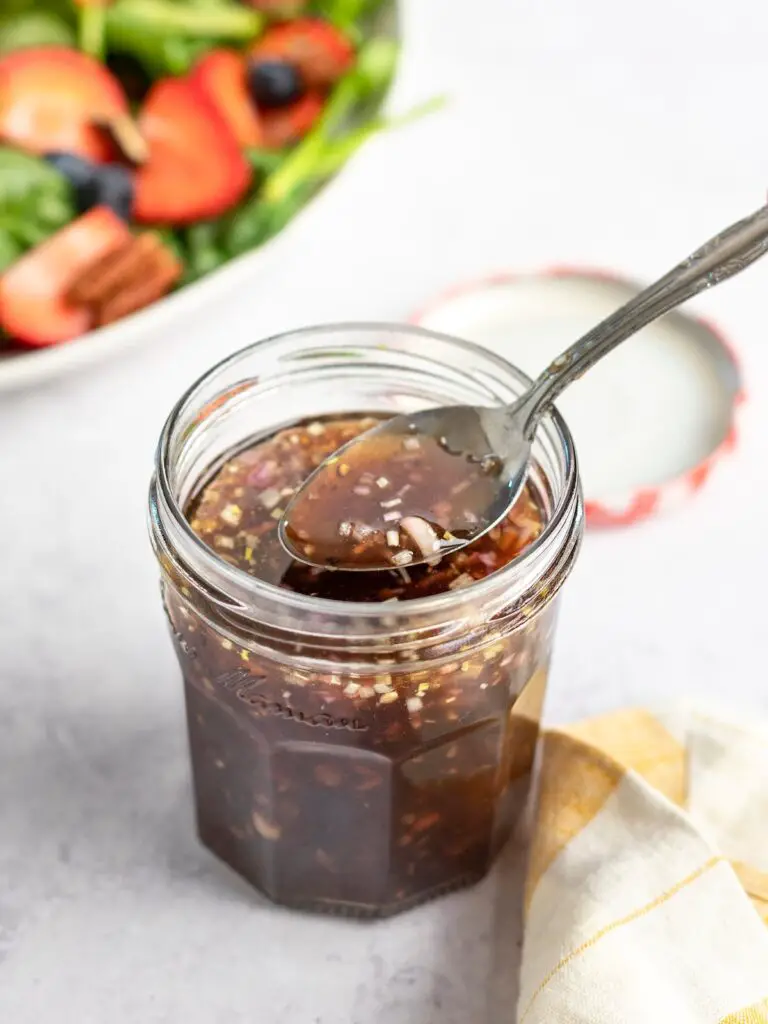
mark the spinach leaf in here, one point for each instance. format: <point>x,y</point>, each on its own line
<point>35,201</point>
<point>205,248</point>
<point>13,8</point>
<point>264,161</point>
<point>34,28</point>
<point>10,250</point>
<point>262,218</point>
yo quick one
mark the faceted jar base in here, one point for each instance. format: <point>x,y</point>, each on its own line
<point>315,823</point>
<point>223,849</point>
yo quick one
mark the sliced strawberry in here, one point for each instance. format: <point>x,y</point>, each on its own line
<point>51,97</point>
<point>319,50</point>
<point>195,168</point>
<point>221,76</point>
<point>33,308</point>
<point>286,125</point>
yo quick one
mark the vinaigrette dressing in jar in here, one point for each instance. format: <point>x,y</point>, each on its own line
<point>360,741</point>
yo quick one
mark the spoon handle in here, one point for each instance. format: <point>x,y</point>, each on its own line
<point>718,259</point>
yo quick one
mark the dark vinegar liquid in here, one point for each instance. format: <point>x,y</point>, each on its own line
<point>360,793</point>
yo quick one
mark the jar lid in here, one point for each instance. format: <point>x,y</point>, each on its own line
<point>649,421</point>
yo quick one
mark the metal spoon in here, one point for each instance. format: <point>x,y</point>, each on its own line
<point>490,447</point>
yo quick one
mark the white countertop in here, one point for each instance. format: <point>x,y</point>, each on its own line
<point>577,134</point>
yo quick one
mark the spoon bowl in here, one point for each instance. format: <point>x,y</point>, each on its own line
<point>347,517</point>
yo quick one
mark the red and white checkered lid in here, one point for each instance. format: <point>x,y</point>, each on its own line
<point>650,421</point>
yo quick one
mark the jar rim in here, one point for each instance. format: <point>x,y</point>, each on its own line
<point>162,489</point>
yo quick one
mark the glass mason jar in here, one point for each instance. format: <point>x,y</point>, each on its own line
<point>356,757</point>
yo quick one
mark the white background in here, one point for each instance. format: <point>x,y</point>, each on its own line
<point>591,133</point>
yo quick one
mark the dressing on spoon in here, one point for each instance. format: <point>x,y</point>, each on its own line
<point>390,498</point>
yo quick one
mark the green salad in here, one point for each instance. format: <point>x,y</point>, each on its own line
<point>144,143</point>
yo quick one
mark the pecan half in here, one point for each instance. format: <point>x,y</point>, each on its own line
<point>126,279</point>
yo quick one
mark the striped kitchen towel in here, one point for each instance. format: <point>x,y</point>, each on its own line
<point>647,898</point>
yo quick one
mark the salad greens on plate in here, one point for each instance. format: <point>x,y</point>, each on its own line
<point>144,143</point>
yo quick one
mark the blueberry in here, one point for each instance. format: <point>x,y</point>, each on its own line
<point>80,173</point>
<point>96,184</point>
<point>114,188</point>
<point>275,83</point>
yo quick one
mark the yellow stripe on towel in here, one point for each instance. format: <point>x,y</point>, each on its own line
<point>756,885</point>
<point>637,740</point>
<point>581,767</point>
<point>575,783</point>
<point>757,1014</point>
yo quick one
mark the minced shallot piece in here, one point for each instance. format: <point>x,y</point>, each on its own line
<point>422,534</point>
